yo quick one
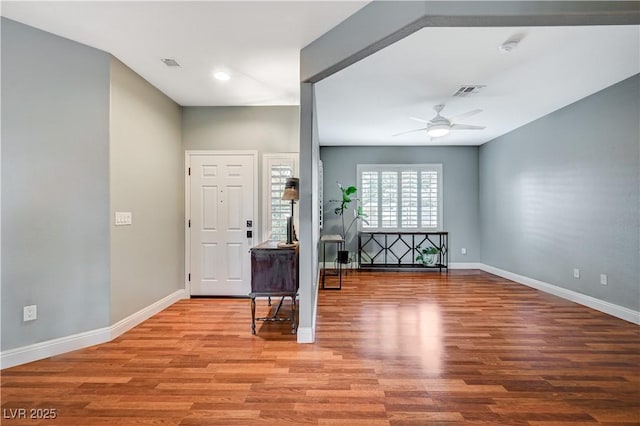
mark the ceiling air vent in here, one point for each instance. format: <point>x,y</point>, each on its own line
<point>170,62</point>
<point>468,90</point>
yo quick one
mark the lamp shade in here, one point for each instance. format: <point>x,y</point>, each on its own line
<point>291,190</point>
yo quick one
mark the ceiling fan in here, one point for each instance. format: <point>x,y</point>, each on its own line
<point>440,126</point>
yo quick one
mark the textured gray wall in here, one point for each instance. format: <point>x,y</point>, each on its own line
<point>563,192</point>
<point>147,179</point>
<point>55,185</point>
<point>460,195</point>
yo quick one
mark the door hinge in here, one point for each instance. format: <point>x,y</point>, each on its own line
<point>189,171</point>
<point>189,277</point>
<point>189,223</point>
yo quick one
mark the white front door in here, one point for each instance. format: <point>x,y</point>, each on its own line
<point>221,209</point>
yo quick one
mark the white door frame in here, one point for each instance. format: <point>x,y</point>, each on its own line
<point>187,203</point>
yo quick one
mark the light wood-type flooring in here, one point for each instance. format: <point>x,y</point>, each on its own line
<point>463,347</point>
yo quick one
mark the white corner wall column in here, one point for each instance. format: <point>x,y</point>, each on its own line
<point>309,223</point>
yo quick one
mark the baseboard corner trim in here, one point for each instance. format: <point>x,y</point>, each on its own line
<point>306,335</point>
<point>599,305</point>
<point>144,314</point>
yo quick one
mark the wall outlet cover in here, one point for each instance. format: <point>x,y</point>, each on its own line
<point>576,273</point>
<point>30,313</point>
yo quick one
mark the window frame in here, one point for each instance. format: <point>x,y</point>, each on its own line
<point>269,160</point>
<point>379,168</point>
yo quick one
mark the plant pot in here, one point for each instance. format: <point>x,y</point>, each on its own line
<point>429,259</point>
<point>343,256</point>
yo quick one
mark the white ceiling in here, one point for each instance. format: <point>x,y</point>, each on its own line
<point>552,67</point>
<point>258,43</point>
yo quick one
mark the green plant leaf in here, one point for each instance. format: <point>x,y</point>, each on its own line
<point>350,190</point>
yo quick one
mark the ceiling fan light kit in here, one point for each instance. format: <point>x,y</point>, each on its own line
<point>440,126</point>
<point>221,75</point>
<point>438,130</point>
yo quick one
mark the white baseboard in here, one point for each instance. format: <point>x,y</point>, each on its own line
<point>465,265</point>
<point>308,334</point>
<point>53,347</point>
<point>582,299</point>
<point>144,314</point>
<point>305,335</point>
<point>61,345</point>
<point>452,265</point>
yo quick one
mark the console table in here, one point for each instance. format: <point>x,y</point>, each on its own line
<point>398,250</point>
<point>274,273</point>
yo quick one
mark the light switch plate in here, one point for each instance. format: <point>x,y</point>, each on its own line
<point>123,218</point>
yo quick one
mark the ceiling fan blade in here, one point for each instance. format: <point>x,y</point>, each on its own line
<point>410,131</point>
<point>465,115</point>
<point>466,127</point>
<point>418,119</point>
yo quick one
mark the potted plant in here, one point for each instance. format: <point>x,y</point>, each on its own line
<point>428,256</point>
<point>348,193</point>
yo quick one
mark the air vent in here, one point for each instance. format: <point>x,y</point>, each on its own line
<point>170,62</point>
<point>467,90</point>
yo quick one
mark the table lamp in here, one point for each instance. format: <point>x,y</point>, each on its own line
<point>291,194</point>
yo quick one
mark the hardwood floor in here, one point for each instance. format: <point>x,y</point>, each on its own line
<point>392,348</point>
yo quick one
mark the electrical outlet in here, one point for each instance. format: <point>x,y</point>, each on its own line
<point>603,279</point>
<point>30,313</point>
<point>463,250</point>
<point>576,273</point>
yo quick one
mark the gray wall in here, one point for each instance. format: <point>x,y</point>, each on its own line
<point>55,185</point>
<point>563,192</point>
<point>265,129</point>
<point>460,195</point>
<point>147,179</point>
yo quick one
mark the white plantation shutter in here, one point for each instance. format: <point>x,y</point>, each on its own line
<point>409,197</point>
<point>280,209</point>
<point>429,198</point>
<point>276,169</point>
<point>368,189</point>
<point>389,200</point>
<point>401,197</point>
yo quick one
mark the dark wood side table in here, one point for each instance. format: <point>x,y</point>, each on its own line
<point>274,273</point>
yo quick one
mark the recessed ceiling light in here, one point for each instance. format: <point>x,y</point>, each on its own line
<point>510,44</point>
<point>221,75</point>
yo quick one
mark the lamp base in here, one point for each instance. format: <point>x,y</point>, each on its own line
<point>284,244</point>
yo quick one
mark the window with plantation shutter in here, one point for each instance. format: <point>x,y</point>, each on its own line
<point>276,169</point>
<point>401,197</point>
<point>369,184</point>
